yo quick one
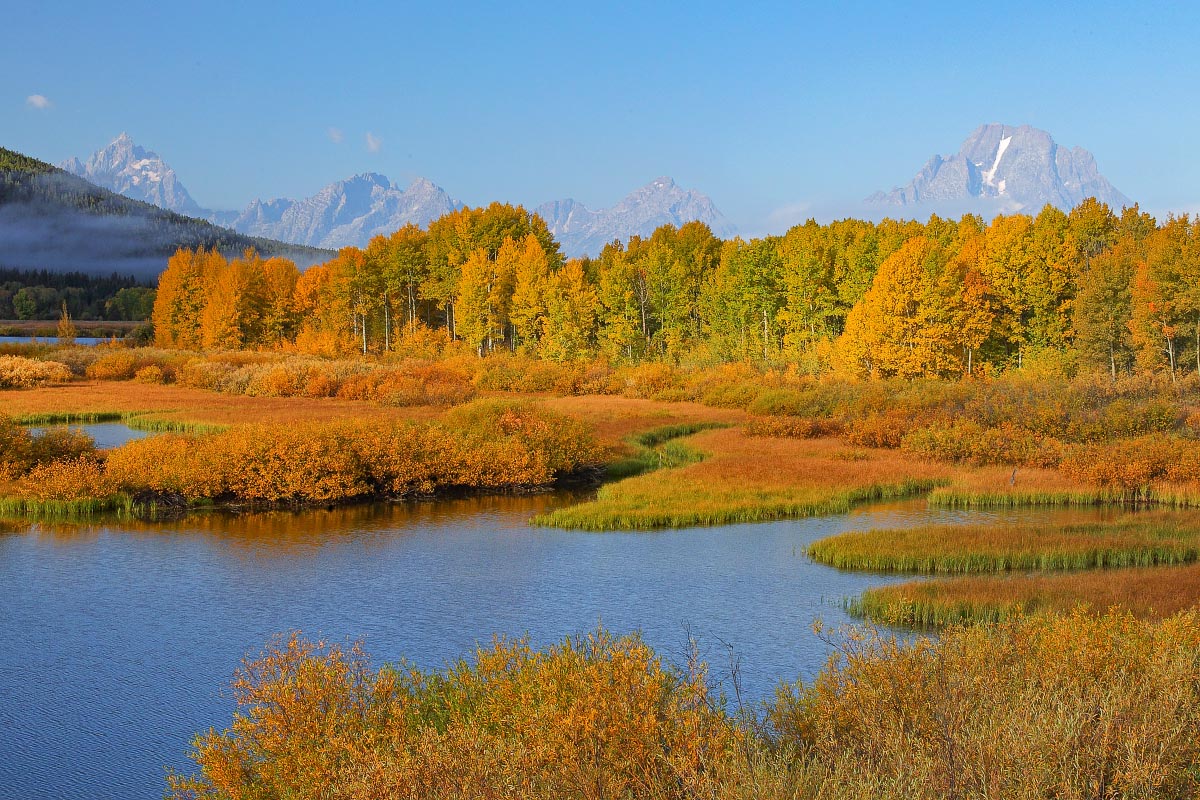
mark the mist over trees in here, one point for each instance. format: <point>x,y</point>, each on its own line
<point>52,220</point>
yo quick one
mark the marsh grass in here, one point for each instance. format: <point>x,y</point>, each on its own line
<point>750,480</point>
<point>658,449</point>
<point>137,420</point>
<point>117,504</point>
<point>1008,487</point>
<point>1146,592</point>
<point>1136,540</point>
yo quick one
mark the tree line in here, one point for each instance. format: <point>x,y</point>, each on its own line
<point>42,295</point>
<point>1089,289</point>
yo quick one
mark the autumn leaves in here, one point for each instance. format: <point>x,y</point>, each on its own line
<point>487,445</point>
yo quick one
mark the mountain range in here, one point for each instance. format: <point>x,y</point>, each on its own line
<point>348,212</point>
<point>1007,169</point>
<point>352,211</point>
<point>998,169</point>
<point>660,202</point>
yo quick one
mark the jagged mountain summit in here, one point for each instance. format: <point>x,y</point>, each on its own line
<point>1000,168</point>
<point>135,172</point>
<point>582,231</point>
<point>344,213</point>
<point>350,212</point>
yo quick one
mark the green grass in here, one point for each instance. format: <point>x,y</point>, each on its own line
<point>676,505</point>
<point>70,418</point>
<point>139,420</point>
<point>1130,541</point>
<point>658,449</point>
<point>905,606</point>
<point>120,504</point>
<point>653,438</point>
<point>1165,497</point>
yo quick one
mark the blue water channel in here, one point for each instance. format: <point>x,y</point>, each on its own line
<point>119,639</point>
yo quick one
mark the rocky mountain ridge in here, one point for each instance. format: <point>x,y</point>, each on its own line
<point>1006,168</point>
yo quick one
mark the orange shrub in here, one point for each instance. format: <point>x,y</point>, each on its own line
<point>1132,465</point>
<point>647,380</point>
<point>965,441</point>
<point>67,479</point>
<point>150,374</point>
<point>595,716</point>
<point>118,365</point>
<point>793,427</point>
<point>886,429</point>
<point>487,445</point>
<point>1036,707</point>
<point>17,372</point>
<point>171,463</point>
<point>318,384</point>
<point>21,451</point>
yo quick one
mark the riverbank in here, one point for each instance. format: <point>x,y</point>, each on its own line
<point>1007,712</point>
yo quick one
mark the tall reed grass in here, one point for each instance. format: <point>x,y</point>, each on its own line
<point>1146,592</point>
<point>1138,540</point>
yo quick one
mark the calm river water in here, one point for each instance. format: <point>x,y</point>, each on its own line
<point>119,639</point>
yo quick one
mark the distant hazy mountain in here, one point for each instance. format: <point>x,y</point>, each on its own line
<point>344,213</point>
<point>1002,168</point>
<point>583,231</point>
<point>135,172</point>
<point>352,211</point>
<point>51,219</point>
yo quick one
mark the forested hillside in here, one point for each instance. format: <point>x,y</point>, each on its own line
<point>52,220</point>
<point>1085,290</point>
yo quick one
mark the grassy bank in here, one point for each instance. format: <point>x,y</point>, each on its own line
<point>1148,593</point>
<point>1136,540</point>
<point>751,480</point>
<point>138,420</point>
<point>67,509</point>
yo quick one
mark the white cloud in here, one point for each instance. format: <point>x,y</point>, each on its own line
<point>374,142</point>
<point>336,136</point>
<point>38,101</point>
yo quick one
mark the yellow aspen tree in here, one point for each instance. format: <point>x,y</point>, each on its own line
<point>529,294</point>
<point>571,307</point>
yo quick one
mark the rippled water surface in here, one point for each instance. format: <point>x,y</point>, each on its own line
<point>118,639</point>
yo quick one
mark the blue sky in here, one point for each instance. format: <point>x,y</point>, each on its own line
<point>775,111</point>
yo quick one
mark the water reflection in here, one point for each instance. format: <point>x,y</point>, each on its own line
<point>120,636</point>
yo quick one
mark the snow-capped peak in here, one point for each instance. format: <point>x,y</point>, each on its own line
<point>135,172</point>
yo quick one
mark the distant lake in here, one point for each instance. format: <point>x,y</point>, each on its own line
<point>120,638</point>
<point>84,340</point>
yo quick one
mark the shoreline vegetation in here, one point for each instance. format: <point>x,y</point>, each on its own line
<point>1045,706</point>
